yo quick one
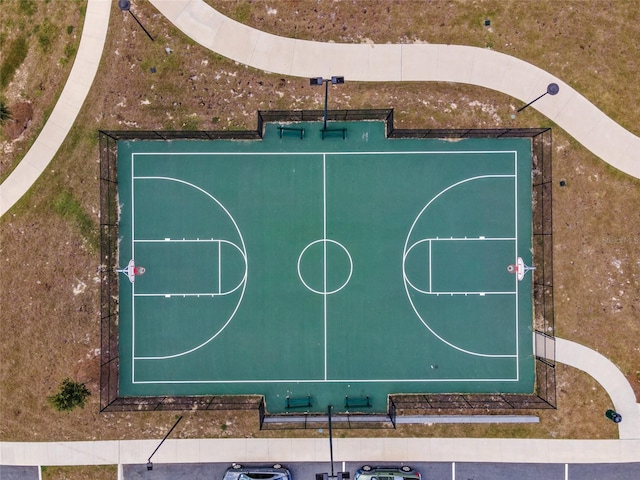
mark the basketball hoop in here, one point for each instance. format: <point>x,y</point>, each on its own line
<point>131,270</point>
<point>519,269</point>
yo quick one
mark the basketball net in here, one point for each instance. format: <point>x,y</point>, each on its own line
<point>519,269</point>
<point>131,270</point>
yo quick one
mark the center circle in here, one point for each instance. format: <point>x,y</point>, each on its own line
<point>325,266</point>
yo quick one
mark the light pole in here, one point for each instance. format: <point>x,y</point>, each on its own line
<point>330,440</point>
<point>125,6</point>
<point>333,476</point>
<point>149,464</point>
<point>552,89</point>
<point>319,81</point>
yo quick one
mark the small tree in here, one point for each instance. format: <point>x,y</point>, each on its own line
<point>71,395</point>
<point>5,114</point>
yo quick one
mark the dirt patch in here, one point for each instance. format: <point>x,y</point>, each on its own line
<point>21,116</point>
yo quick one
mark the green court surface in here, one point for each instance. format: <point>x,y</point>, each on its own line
<point>294,267</point>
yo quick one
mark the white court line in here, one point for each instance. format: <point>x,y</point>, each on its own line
<point>197,294</point>
<point>430,275</point>
<point>256,154</point>
<point>324,245</point>
<point>454,239</point>
<point>445,293</point>
<point>133,285</point>
<point>268,154</point>
<point>517,303</point>
<point>322,380</point>
<point>220,267</point>
<point>195,240</point>
<point>462,239</point>
<point>187,240</point>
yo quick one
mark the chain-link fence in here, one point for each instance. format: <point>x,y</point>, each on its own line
<point>545,395</point>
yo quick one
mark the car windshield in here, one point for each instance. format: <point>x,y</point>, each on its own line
<point>257,475</point>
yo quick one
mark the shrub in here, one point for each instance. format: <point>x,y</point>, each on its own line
<point>72,394</point>
<point>5,113</point>
<point>47,35</point>
<point>27,7</point>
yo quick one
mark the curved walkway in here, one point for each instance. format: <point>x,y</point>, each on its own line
<point>85,66</point>
<point>610,378</point>
<point>358,62</point>
<point>409,62</point>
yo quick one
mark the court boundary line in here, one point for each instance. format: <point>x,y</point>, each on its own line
<point>318,154</point>
<point>320,380</point>
<point>324,155</point>
<point>517,306</point>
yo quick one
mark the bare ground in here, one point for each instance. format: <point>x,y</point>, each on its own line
<point>49,296</point>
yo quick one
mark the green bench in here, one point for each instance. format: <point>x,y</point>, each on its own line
<point>298,402</point>
<point>297,131</point>
<point>334,131</point>
<point>357,402</point>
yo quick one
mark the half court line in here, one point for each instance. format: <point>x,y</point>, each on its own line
<point>324,259</point>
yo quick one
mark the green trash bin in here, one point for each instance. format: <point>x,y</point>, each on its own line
<point>613,416</point>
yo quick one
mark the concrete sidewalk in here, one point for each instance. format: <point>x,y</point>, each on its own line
<point>119,452</point>
<point>610,378</point>
<point>409,62</point>
<point>85,66</point>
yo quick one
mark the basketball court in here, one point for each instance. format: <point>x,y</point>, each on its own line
<point>324,266</point>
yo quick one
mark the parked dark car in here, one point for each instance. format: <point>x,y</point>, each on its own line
<point>272,472</point>
<point>367,472</point>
